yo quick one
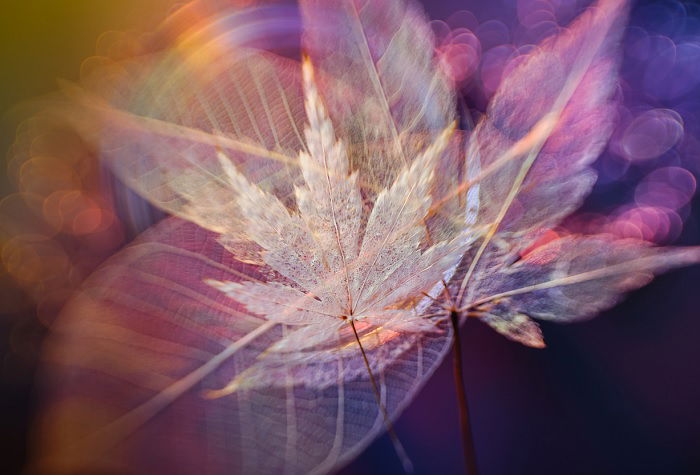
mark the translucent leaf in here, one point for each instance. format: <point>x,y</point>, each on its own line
<point>573,277</point>
<point>148,319</point>
<point>530,154</point>
<point>161,136</point>
<point>384,52</point>
<point>549,119</point>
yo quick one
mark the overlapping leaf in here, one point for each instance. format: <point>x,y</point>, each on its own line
<point>549,119</point>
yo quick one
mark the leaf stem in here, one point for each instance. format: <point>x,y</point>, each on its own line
<point>464,421</point>
<point>400,451</point>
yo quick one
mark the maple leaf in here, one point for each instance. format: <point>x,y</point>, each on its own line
<point>549,120</point>
<point>334,271</point>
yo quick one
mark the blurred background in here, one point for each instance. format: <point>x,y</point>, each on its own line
<point>40,41</point>
<point>616,395</point>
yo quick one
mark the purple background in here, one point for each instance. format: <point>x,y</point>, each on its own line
<point>615,395</point>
